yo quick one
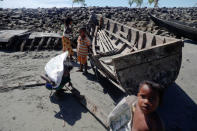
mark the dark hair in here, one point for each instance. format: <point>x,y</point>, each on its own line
<point>68,20</point>
<point>83,28</point>
<point>68,65</point>
<point>155,86</point>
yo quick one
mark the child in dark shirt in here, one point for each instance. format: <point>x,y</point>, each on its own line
<point>65,79</point>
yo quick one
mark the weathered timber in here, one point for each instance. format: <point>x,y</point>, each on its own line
<point>6,35</point>
<point>9,87</point>
<point>177,28</point>
<point>25,40</point>
<point>11,39</point>
<point>127,56</point>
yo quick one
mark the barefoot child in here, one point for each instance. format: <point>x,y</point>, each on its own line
<point>65,79</point>
<point>67,34</point>
<point>83,49</point>
<point>138,114</point>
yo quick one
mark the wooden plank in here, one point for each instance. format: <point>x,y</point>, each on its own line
<point>164,71</point>
<point>147,55</point>
<point>6,35</point>
<point>153,42</point>
<point>44,34</point>
<point>101,46</point>
<point>123,40</point>
<point>102,43</point>
<point>94,41</point>
<point>106,40</point>
<point>8,87</point>
<point>129,35</point>
<point>142,41</point>
<point>114,83</point>
<point>115,28</point>
<point>41,43</point>
<point>150,40</point>
<point>23,45</point>
<point>159,40</point>
<point>56,43</point>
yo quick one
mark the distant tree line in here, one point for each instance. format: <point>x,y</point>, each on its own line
<point>139,2</point>
<point>82,2</point>
<point>131,2</point>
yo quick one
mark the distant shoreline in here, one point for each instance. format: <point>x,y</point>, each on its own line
<point>51,19</point>
<point>96,7</point>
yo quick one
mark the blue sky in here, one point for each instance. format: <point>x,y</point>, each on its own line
<point>68,3</point>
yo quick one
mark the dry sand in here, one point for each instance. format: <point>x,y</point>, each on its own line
<point>32,109</point>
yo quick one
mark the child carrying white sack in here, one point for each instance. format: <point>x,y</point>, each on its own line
<point>58,73</point>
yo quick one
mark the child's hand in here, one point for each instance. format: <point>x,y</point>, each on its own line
<point>53,83</point>
<point>70,84</point>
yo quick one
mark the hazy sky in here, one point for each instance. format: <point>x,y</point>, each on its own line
<point>68,3</point>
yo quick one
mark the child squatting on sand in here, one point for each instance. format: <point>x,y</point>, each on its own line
<point>83,49</point>
<point>138,113</point>
<point>65,79</point>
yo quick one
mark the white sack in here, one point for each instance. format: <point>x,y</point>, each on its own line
<point>55,68</point>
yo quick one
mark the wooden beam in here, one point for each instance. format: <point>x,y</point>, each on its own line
<point>123,40</point>
<point>9,87</point>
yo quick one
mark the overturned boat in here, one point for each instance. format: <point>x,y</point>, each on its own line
<point>176,28</point>
<point>127,56</point>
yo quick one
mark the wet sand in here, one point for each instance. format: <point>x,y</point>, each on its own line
<point>32,109</point>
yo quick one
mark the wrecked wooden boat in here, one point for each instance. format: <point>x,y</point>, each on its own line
<point>176,28</point>
<point>127,56</point>
<point>26,40</point>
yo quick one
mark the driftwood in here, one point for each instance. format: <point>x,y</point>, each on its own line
<point>9,87</point>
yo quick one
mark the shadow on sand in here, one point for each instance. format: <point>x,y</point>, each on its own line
<point>190,42</point>
<point>108,88</point>
<point>178,110</point>
<point>70,109</point>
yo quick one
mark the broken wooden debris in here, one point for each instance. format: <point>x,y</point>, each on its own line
<point>25,40</point>
<point>9,87</point>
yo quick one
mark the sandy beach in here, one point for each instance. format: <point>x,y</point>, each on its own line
<point>32,109</point>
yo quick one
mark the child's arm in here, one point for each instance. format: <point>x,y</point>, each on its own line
<point>89,45</point>
<point>48,80</point>
<point>78,43</point>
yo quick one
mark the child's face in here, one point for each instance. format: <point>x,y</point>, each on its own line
<point>82,33</point>
<point>148,99</point>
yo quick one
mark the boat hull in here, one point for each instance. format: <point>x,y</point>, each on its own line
<point>176,28</point>
<point>145,57</point>
<point>160,64</point>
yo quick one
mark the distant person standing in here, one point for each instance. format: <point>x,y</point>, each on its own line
<point>92,23</point>
<point>83,47</point>
<point>67,35</point>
